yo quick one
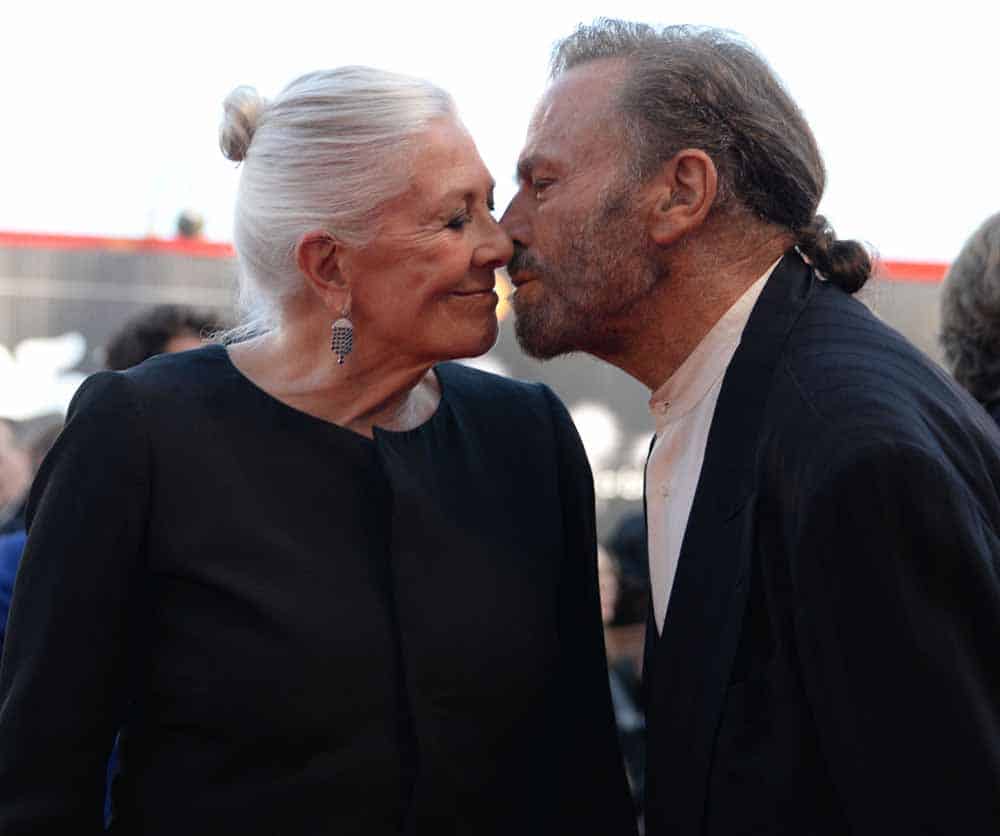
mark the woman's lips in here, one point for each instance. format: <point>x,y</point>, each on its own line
<point>477,295</point>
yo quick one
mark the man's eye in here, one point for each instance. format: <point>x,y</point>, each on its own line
<point>459,221</point>
<point>539,186</point>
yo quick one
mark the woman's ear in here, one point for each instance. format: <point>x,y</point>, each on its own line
<point>683,195</point>
<point>318,256</point>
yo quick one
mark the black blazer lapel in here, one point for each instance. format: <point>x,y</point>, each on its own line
<point>688,670</point>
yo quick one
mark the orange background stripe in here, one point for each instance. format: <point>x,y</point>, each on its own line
<point>911,271</point>
<point>905,271</point>
<point>180,246</point>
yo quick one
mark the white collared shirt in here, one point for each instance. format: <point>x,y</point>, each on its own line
<point>682,409</point>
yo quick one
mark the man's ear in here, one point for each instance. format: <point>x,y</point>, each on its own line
<point>683,194</point>
<point>318,256</point>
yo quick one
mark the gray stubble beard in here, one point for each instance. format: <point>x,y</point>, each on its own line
<point>594,318</point>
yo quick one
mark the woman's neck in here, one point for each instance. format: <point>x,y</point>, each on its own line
<point>371,389</point>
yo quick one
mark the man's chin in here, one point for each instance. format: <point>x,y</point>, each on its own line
<point>539,342</point>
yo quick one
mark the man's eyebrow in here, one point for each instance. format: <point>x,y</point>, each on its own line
<point>525,166</point>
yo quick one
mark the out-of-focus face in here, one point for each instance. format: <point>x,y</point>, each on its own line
<point>423,288</point>
<point>184,341</point>
<point>15,466</point>
<point>607,577</point>
<point>581,260</point>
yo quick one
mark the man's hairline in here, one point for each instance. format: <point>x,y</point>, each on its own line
<point>614,118</point>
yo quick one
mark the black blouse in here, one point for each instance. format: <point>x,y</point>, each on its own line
<point>300,630</point>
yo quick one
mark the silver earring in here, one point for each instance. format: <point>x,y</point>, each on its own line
<point>342,336</point>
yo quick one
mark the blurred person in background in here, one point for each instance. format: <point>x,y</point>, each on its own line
<point>163,329</point>
<point>625,608</point>
<point>286,567</point>
<point>11,546</point>
<point>15,476</point>
<point>627,544</point>
<point>38,440</point>
<point>824,520</point>
<point>27,447</point>
<point>970,316</point>
<point>625,624</point>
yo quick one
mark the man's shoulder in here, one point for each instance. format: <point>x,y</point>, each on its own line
<point>846,362</point>
<point>848,381</point>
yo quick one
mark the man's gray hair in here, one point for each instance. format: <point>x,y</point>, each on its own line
<point>325,154</point>
<point>696,87</point>
<point>970,314</point>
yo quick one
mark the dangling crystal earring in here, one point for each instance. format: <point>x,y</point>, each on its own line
<point>342,335</point>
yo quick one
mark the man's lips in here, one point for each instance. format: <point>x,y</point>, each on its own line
<point>518,279</point>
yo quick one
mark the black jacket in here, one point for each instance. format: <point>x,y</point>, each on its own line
<point>830,658</point>
<point>303,631</point>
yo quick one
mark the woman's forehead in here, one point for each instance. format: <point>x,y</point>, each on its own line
<point>446,163</point>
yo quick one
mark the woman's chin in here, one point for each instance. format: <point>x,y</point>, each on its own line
<point>478,344</point>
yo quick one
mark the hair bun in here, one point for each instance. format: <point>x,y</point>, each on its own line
<point>241,110</point>
<point>846,264</point>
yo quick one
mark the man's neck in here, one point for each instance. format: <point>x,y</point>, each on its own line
<point>683,309</point>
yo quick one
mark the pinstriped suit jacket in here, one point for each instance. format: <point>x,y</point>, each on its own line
<point>829,662</point>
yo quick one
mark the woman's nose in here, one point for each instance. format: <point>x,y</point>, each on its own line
<point>496,249</point>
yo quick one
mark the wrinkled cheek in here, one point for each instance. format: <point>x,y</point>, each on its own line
<point>456,326</point>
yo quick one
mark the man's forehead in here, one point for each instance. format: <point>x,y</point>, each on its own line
<point>573,111</point>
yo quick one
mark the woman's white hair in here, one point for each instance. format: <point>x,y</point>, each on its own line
<point>325,154</point>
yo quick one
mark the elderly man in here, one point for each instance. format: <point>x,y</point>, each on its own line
<point>823,517</point>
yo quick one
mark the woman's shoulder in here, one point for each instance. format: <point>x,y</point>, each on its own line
<point>170,379</point>
<point>463,380</point>
<point>178,378</point>
<point>494,398</point>
<point>199,364</point>
<point>471,386</point>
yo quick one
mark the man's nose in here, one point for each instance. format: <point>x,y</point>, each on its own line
<point>515,221</point>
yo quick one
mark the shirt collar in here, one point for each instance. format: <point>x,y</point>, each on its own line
<point>695,377</point>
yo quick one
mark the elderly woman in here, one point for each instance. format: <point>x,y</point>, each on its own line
<point>970,316</point>
<point>321,592</point>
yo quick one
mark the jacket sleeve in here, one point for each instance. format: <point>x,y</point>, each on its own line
<point>593,785</point>
<point>64,677</point>
<point>896,571</point>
